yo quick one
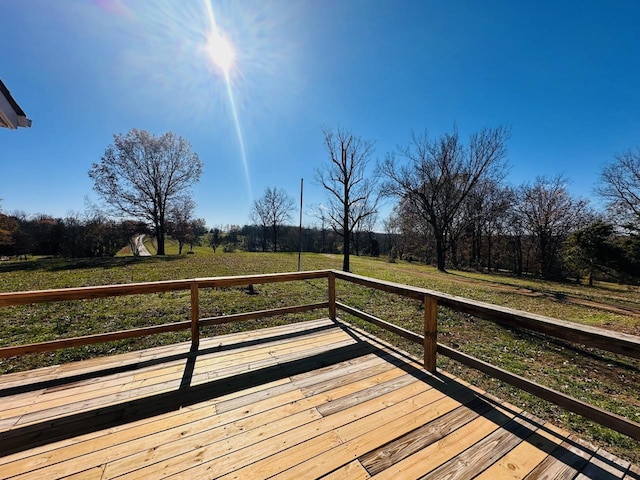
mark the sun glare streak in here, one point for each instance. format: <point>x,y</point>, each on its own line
<point>220,65</point>
<point>223,55</point>
<point>236,121</point>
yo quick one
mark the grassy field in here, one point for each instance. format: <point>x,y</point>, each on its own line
<point>603,379</point>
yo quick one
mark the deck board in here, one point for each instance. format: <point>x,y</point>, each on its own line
<point>305,400</point>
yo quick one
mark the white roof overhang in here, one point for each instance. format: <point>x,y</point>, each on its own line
<point>11,115</point>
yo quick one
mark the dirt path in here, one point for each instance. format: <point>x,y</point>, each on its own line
<point>142,250</point>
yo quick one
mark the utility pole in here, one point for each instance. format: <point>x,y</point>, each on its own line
<point>300,236</point>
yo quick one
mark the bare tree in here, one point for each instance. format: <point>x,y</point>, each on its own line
<point>550,214</point>
<point>352,195</point>
<point>142,175</point>
<point>441,173</point>
<point>214,238</point>
<point>197,229</point>
<point>620,187</point>
<point>8,228</point>
<point>516,231</point>
<point>321,213</point>
<point>592,250</point>
<point>416,236</point>
<point>364,228</point>
<point>487,209</point>
<point>180,221</point>
<point>271,211</point>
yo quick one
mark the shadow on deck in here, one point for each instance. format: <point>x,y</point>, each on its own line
<point>305,400</point>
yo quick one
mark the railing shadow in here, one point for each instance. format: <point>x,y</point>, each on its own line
<point>526,427</point>
<point>138,365</point>
<point>70,426</point>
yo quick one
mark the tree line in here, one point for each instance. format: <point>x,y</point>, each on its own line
<point>73,236</point>
<point>452,208</point>
<point>76,236</point>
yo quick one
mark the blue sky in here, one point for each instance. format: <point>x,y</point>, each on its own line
<point>562,74</point>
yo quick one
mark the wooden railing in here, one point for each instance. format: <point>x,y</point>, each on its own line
<point>194,324</point>
<point>628,345</point>
<point>615,342</point>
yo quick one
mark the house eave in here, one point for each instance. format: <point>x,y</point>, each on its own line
<point>11,115</point>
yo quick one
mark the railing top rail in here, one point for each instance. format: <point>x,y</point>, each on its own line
<point>617,342</point>
<point>101,291</point>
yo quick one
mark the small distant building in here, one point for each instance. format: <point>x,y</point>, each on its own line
<point>11,115</point>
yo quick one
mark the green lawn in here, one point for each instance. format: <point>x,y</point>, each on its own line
<point>603,379</point>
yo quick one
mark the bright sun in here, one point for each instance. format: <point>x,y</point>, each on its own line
<point>221,52</point>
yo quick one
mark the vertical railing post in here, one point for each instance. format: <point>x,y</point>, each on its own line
<point>430,333</point>
<point>332,295</point>
<point>195,315</point>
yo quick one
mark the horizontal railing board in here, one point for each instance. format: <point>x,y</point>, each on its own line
<point>608,340</point>
<point>84,293</point>
<point>238,317</point>
<point>92,339</point>
<point>615,342</point>
<point>144,331</point>
<point>260,278</point>
<point>603,417</point>
<point>403,332</point>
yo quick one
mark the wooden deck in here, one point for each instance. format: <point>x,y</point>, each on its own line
<point>306,400</point>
